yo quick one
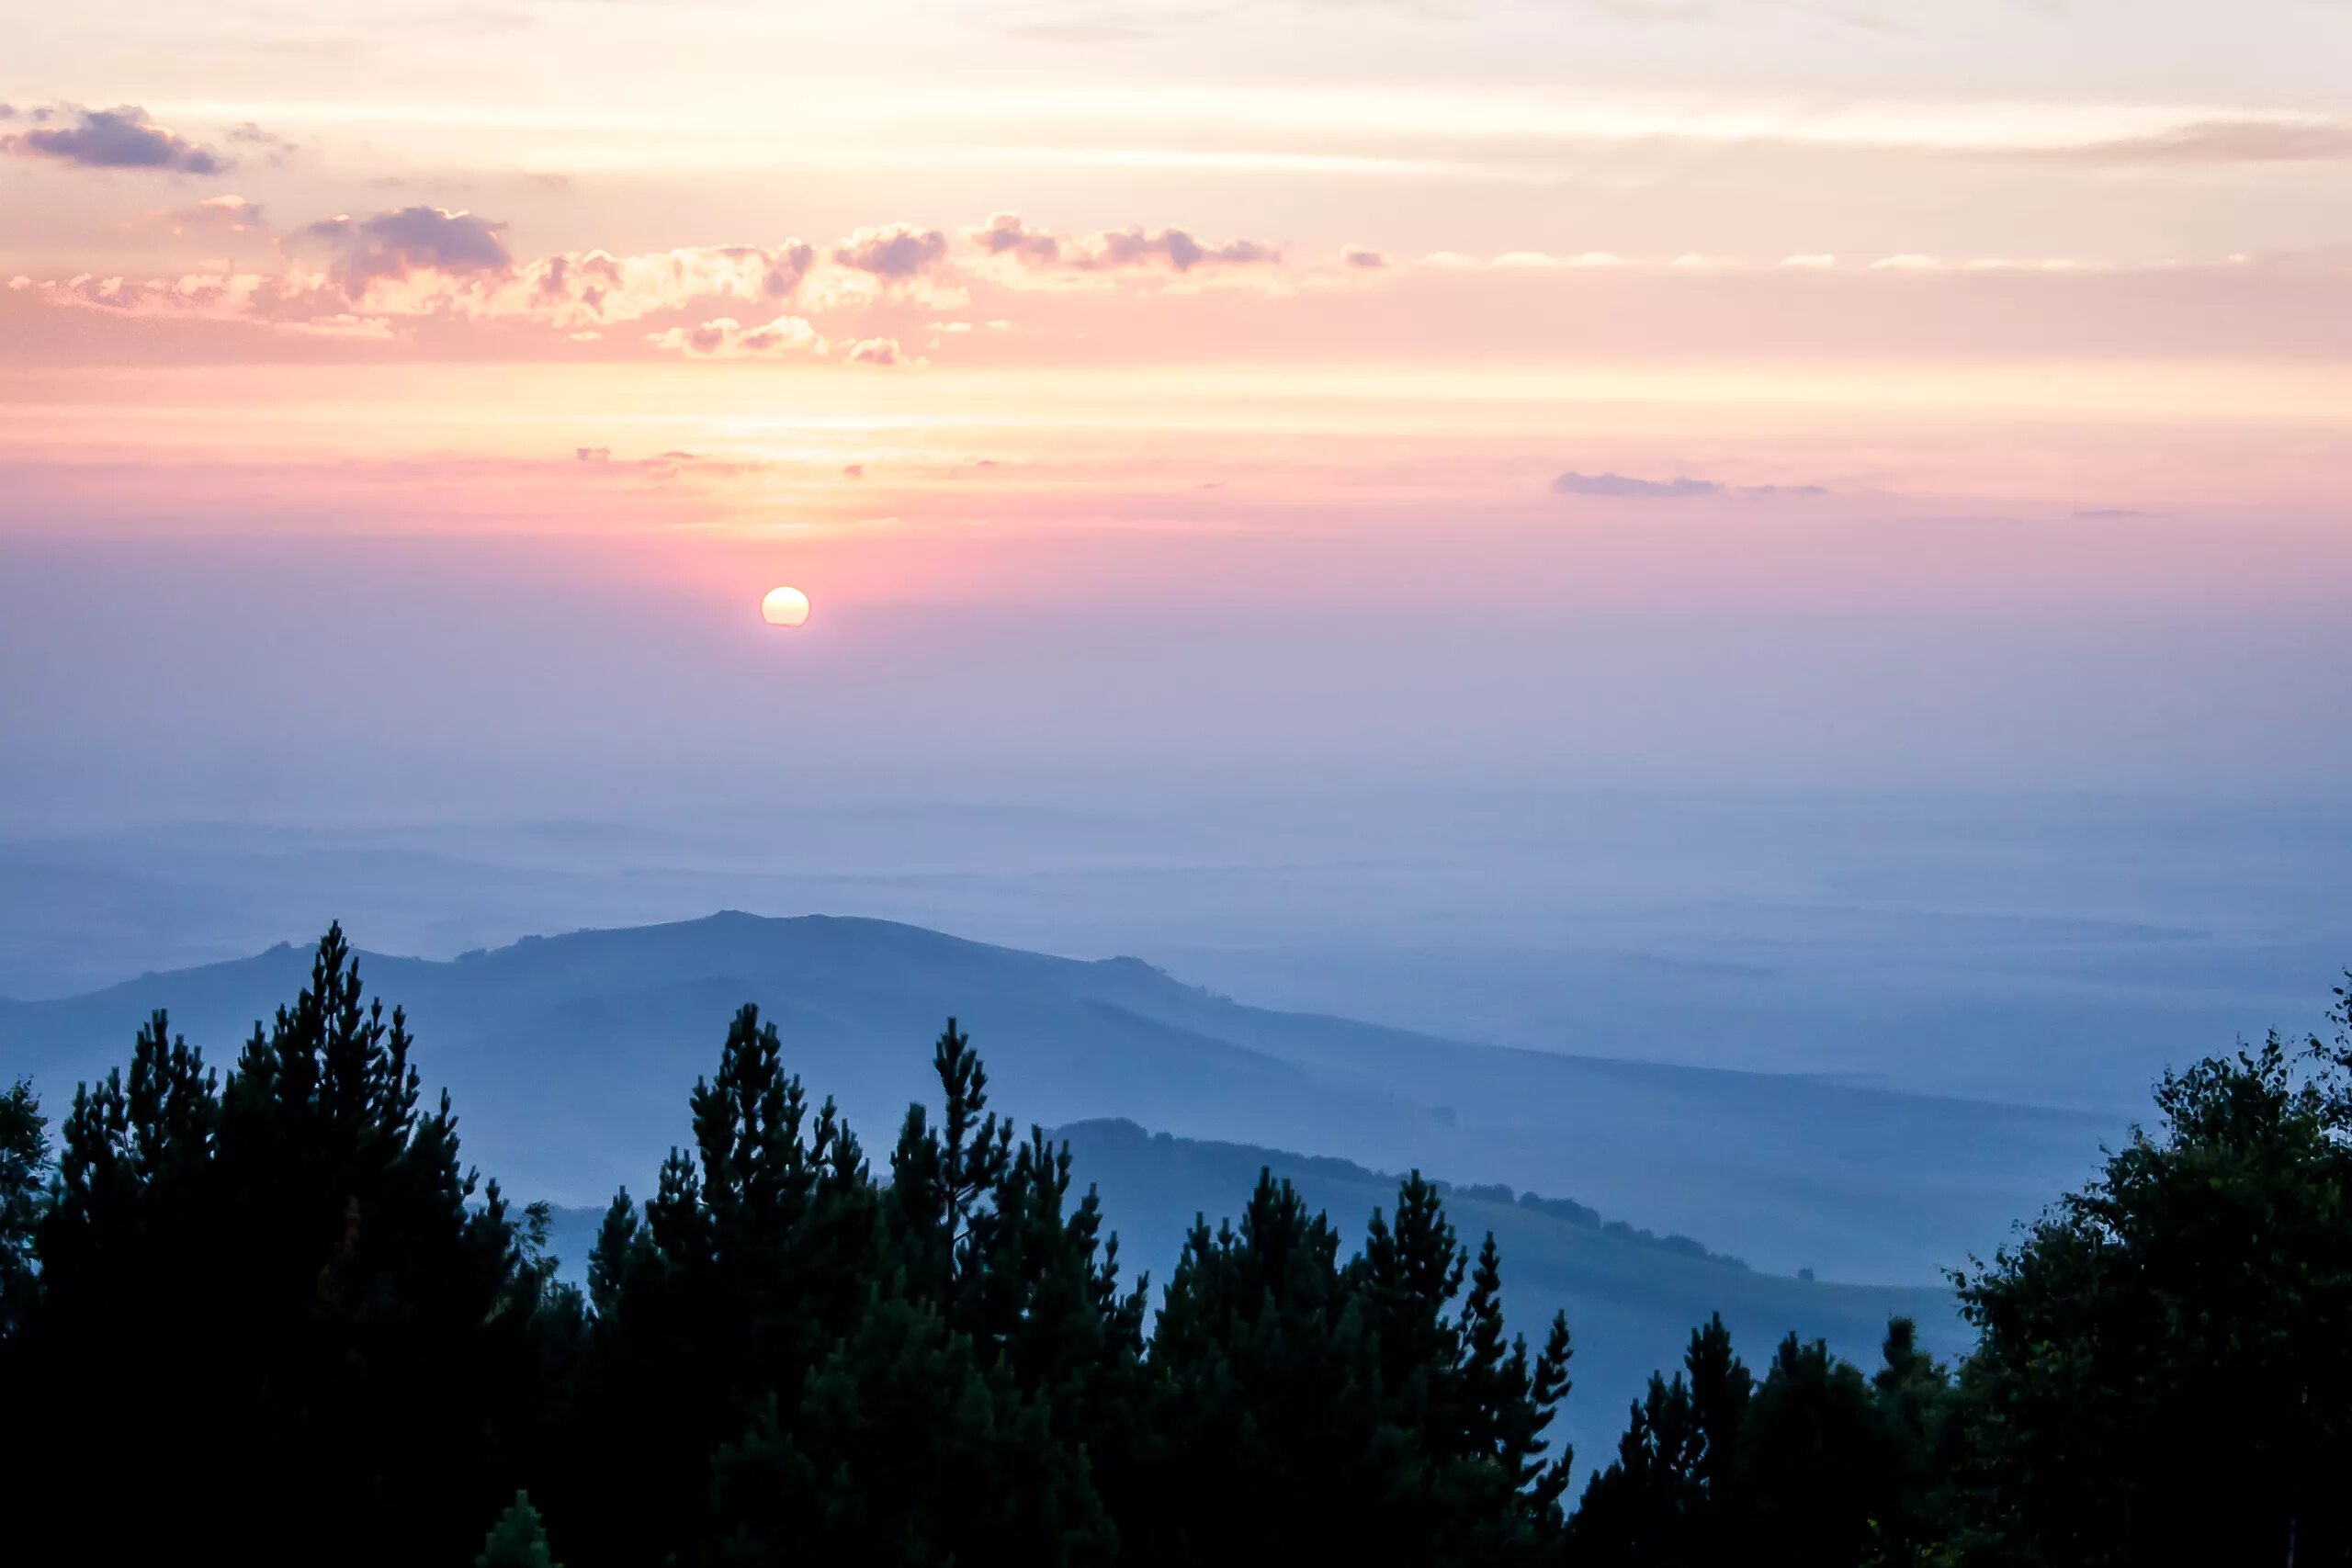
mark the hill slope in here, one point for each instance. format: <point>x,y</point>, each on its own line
<point>570,1058</point>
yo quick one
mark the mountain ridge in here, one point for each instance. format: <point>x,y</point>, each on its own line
<point>570,1057</point>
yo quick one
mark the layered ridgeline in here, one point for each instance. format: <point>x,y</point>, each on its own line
<point>566,1054</point>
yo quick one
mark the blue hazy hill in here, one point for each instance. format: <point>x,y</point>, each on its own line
<point>570,1058</point>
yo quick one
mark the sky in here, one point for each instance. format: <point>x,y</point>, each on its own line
<point>404,418</point>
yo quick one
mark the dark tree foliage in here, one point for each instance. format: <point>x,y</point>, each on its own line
<point>792,1358</point>
<point>269,1318</point>
<point>2164,1374</point>
<point>1350,1408</point>
<point>24,1170</point>
<point>1811,1464</point>
<point>1674,1492</point>
<point>519,1540</point>
<point>280,1293</point>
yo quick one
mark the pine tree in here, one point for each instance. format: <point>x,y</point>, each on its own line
<point>519,1540</point>
<point>24,1172</point>
<point>292,1281</point>
<point>1821,1467</point>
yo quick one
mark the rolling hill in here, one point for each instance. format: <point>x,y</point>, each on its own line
<point>570,1058</point>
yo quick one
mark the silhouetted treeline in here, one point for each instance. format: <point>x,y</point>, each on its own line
<point>267,1316</point>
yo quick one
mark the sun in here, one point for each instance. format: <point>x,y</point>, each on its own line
<point>785,607</point>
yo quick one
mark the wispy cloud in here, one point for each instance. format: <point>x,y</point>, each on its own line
<point>2213,141</point>
<point>214,216</point>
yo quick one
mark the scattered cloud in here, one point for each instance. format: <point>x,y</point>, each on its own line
<point>1005,235</point>
<point>591,454</point>
<point>396,245</point>
<point>268,144</point>
<point>579,289</point>
<point>877,350</point>
<point>1682,487</point>
<point>724,337</point>
<point>1363,256</point>
<point>193,295</point>
<point>894,250</point>
<point>119,138</point>
<point>215,215</point>
<point>1134,248</point>
<point>1618,486</point>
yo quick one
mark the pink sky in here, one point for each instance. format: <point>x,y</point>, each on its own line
<point>2034,315</point>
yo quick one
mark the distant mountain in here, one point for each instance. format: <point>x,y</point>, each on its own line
<point>570,1058</point>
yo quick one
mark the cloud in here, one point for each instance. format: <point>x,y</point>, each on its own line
<point>2105,514</point>
<point>119,138</point>
<point>276,148</point>
<point>1133,248</point>
<point>422,262</point>
<point>394,247</point>
<point>214,215</point>
<point>1364,256</point>
<point>877,350</point>
<point>894,250</point>
<point>591,454</point>
<point>1005,234</point>
<point>7,111</point>
<point>2214,141</point>
<point>724,337</point>
<point>196,294</point>
<point>1173,248</point>
<point>1618,486</point>
<point>578,288</point>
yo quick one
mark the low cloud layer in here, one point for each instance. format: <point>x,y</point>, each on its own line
<point>119,138</point>
<point>1134,248</point>
<point>215,215</point>
<point>1682,487</point>
<point>724,337</point>
<point>1621,487</point>
<point>2217,141</point>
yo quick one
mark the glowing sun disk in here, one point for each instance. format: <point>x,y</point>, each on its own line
<point>783,607</point>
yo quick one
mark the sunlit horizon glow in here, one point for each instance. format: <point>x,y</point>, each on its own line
<point>1082,315</point>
